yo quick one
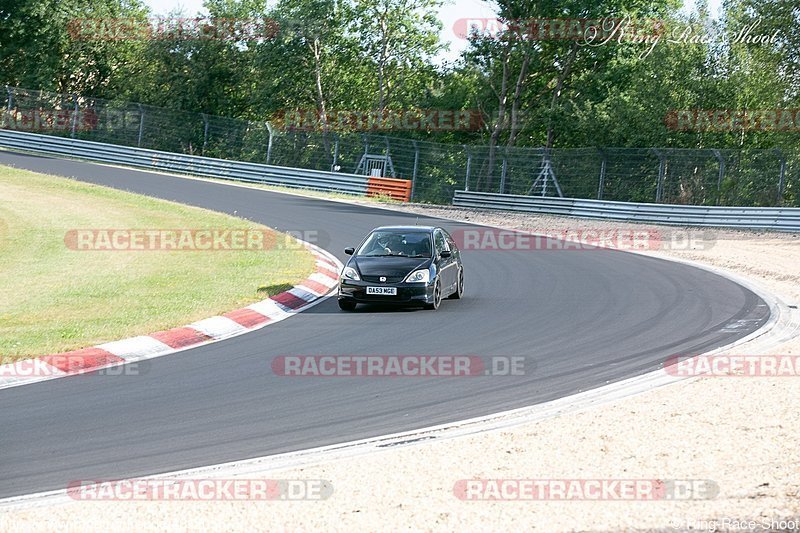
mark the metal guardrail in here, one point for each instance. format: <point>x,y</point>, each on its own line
<point>186,164</point>
<point>772,218</point>
<point>696,176</point>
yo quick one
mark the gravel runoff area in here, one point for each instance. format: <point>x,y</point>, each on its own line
<point>739,432</point>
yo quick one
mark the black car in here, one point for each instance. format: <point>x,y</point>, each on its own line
<point>404,265</point>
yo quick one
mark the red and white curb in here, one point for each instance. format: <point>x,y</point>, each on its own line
<point>308,293</point>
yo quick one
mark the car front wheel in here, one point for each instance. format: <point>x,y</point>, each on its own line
<point>437,296</point>
<point>347,305</point>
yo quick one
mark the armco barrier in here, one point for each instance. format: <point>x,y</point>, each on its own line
<point>393,188</point>
<point>186,164</point>
<point>772,218</point>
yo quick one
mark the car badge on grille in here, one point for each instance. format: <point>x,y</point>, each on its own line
<point>382,278</point>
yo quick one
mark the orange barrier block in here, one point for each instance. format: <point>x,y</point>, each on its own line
<point>394,188</point>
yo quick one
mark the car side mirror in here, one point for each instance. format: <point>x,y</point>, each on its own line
<point>445,254</point>
<point>349,251</point>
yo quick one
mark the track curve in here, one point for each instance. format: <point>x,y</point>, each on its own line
<point>586,319</point>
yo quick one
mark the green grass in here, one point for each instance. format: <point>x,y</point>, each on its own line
<point>54,299</point>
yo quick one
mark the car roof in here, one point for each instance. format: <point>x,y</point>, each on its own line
<point>427,229</point>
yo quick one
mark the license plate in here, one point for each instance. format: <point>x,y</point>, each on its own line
<point>384,291</point>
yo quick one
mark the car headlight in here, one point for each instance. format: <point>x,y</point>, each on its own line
<point>350,273</point>
<point>419,276</point>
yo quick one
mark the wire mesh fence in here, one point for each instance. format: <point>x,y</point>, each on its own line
<point>747,177</point>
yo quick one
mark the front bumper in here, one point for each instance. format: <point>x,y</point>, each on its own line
<point>407,293</point>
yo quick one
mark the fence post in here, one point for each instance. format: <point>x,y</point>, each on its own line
<point>721,173</point>
<point>141,125</point>
<point>469,163</point>
<point>414,173</point>
<point>388,158</point>
<point>7,116</point>
<point>269,142</point>
<point>503,173</point>
<point>74,116</point>
<point>205,131</point>
<point>601,185</point>
<point>782,178</point>
<point>335,153</point>
<point>661,171</point>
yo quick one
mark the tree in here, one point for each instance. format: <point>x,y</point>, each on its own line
<point>54,45</point>
<point>399,37</point>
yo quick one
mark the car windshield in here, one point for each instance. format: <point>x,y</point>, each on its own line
<point>394,243</point>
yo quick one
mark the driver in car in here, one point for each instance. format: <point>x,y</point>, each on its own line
<point>395,245</point>
<point>381,244</point>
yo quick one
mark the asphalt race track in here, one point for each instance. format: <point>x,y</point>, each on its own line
<point>584,317</point>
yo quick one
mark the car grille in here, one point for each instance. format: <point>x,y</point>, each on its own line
<point>389,279</point>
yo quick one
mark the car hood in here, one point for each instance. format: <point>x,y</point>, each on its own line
<point>391,267</point>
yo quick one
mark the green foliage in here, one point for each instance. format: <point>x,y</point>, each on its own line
<point>371,55</point>
<point>42,46</point>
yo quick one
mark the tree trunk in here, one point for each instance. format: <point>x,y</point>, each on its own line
<point>557,93</point>
<point>316,49</point>
<point>502,100</point>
